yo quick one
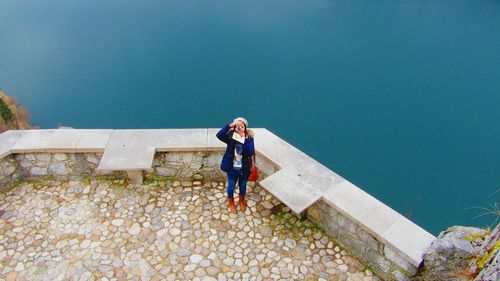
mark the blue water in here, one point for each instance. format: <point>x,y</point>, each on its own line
<point>400,97</point>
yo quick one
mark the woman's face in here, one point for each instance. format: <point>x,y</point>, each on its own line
<point>240,126</point>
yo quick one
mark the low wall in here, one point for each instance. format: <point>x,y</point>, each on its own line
<point>177,164</point>
<point>385,261</point>
<point>61,165</point>
<point>184,165</point>
<point>9,172</point>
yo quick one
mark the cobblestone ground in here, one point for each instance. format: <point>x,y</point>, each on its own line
<point>105,230</point>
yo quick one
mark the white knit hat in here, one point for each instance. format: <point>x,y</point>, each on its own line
<point>242,120</point>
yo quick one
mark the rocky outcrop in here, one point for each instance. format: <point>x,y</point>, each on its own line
<point>487,262</point>
<point>12,115</point>
<point>449,256</point>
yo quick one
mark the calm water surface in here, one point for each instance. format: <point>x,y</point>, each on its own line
<point>400,97</point>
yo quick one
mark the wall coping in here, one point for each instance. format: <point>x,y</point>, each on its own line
<point>300,181</point>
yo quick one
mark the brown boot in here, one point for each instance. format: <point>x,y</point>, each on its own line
<point>231,205</point>
<point>243,205</point>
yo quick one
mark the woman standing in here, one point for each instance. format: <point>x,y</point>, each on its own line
<point>237,160</point>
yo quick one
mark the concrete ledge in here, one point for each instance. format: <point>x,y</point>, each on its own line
<point>181,140</point>
<point>7,142</point>
<point>33,141</point>
<point>63,140</point>
<point>296,179</point>
<point>93,140</point>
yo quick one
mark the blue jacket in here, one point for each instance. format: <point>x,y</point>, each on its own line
<point>225,135</point>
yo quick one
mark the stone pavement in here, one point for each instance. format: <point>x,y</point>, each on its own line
<point>108,230</point>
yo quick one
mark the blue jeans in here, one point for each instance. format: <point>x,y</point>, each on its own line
<point>231,184</point>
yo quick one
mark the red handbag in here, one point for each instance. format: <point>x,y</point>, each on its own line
<point>254,173</point>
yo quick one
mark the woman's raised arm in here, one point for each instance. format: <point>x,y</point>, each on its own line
<point>222,134</point>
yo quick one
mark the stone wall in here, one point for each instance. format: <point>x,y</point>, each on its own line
<point>383,260</point>
<point>61,165</point>
<point>177,165</point>
<point>185,165</point>
<point>9,172</point>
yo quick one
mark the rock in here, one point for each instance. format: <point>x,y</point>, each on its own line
<point>85,244</point>
<point>166,172</point>
<point>105,268</point>
<point>265,272</point>
<point>19,267</point>
<point>38,171</point>
<point>86,190</point>
<point>44,157</point>
<point>290,243</point>
<point>162,232</point>
<point>175,231</point>
<point>256,197</point>
<point>134,229</point>
<point>60,157</point>
<point>266,231</point>
<point>448,255</point>
<point>400,276</point>
<point>149,208</point>
<point>183,252</point>
<point>228,261</point>
<point>12,276</point>
<point>195,258</point>
<point>185,173</point>
<point>117,222</point>
<point>58,168</point>
<point>267,205</point>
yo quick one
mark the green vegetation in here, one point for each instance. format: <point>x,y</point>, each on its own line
<point>5,112</point>
<point>157,180</point>
<point>12,115</point>
<point>485,258</point>
<point>297,225</point>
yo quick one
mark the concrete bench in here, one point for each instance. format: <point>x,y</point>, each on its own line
<point>131,151</point>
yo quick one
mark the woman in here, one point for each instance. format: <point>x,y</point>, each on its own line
<point>237,160</point>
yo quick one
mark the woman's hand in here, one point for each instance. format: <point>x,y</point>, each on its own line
<point>232,125</point>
